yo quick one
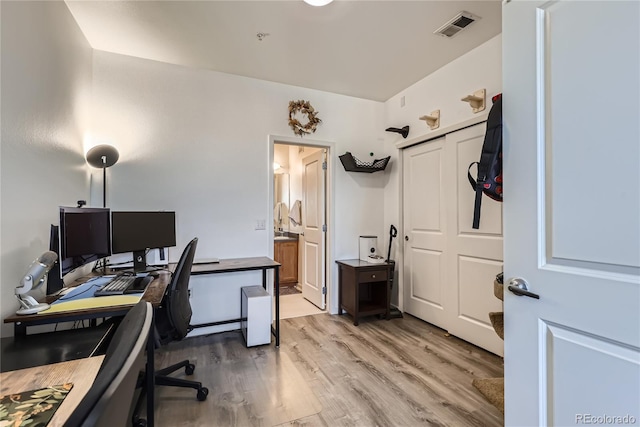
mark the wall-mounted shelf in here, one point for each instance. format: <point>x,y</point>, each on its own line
<point>433,119</point>
<point>353,164</point>
<point>477,100</point>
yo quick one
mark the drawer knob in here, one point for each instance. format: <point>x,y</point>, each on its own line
<point>373,275</point>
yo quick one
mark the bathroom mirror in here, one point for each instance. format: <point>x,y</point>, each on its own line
<point>281,202</point>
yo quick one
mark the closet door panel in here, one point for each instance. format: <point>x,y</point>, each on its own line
<point>472,271</point>
<point>424,232</point>
<point>475,256</point>
<point>427,277</point>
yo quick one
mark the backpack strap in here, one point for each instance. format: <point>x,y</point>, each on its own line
<point>471,180</point>
<point>476,208</point>
<point>477,186</point>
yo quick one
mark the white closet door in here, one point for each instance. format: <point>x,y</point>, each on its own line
<point>425,227</point>
<point>474,256</point>
<point>449,267</point>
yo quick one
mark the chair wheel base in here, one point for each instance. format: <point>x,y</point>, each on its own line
<point>202,394</point>
<point>189,369</point>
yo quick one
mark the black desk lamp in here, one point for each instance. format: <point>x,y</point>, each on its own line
<point>103,156</point>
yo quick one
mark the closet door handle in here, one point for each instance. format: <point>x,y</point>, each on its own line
<point>406,238</point>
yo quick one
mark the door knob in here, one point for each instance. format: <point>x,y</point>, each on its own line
<point>520,287</point>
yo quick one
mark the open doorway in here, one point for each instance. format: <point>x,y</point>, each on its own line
<point>300,178</point>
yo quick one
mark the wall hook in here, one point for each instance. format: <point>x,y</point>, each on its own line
<point>433,119</point>
<point>477,100</point>
<point>404,131</point>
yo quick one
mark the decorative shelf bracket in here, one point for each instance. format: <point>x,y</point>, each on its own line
<point>433,119</point>
<point>477,100</point>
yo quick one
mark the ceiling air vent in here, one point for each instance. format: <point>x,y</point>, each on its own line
<point>456,24</point>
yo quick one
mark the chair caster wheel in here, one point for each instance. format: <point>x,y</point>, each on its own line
<point>202,394</point>
<point>189,369</point>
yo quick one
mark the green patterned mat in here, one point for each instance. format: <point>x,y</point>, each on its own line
<point>33,408</point>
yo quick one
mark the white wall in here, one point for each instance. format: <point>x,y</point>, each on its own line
<point>197,142</point>
<point>443,89</point>
<point>46,77</point>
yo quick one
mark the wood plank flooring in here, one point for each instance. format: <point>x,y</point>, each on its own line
<point>328,372</point>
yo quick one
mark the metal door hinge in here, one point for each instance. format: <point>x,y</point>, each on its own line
<point>324,290</point>
<point>324,228</point>
<point>324,165</point>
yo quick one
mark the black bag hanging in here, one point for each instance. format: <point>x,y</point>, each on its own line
<point>489,179</point>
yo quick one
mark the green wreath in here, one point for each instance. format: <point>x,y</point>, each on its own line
<point>303,107</point>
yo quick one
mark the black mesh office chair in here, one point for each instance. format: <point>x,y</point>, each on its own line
<point>172,321</point>
<point>109,400</point>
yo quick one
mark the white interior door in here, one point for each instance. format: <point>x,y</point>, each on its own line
<point>313,213</point>
<point>475,256</point>
<point>572,212</point>
<point>425,227</point>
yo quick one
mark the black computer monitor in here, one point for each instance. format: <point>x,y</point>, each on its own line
<point>54,280</point>
<point>84,235</point>
<point>138,231</point>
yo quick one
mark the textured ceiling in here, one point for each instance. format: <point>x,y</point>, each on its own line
<point>366,49</point>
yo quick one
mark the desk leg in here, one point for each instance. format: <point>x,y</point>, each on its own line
<point>19,330</point>
<point>151,374</point>
<point>339,290</point>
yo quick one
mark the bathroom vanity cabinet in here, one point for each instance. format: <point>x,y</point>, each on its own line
<point>286,253</point>
<point>365,288</point>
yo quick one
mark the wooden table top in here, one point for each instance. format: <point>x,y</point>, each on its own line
<point>153,294</point>
<point>80,372</point>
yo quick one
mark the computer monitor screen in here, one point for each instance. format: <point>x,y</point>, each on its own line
<point>54,280</point>
<point>138,231</point>
<point>85,236</point>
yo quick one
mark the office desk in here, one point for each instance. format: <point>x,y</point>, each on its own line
<point>152,294</point>
<point>53,347</point>
<point>80,372</point>
<point>244,264</point>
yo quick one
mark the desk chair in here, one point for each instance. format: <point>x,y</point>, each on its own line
<point>172,321</point>
<point>109,400</point>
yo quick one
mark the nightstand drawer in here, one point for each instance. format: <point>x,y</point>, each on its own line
<point>372,276</point>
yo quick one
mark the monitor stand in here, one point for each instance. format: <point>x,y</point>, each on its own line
<point>139,261</point>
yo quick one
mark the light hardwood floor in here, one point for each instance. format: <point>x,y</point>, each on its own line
<point>296,306</point>
<point>328,372</point>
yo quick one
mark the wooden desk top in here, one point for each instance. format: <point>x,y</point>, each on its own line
<point>232,264</point>
<point>153,294</point>
<point>80,372</point>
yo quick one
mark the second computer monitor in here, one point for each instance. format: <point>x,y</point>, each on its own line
<point>84,236</point>
<point>138,231</point>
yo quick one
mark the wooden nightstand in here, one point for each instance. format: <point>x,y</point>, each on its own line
<point>365,288</point>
